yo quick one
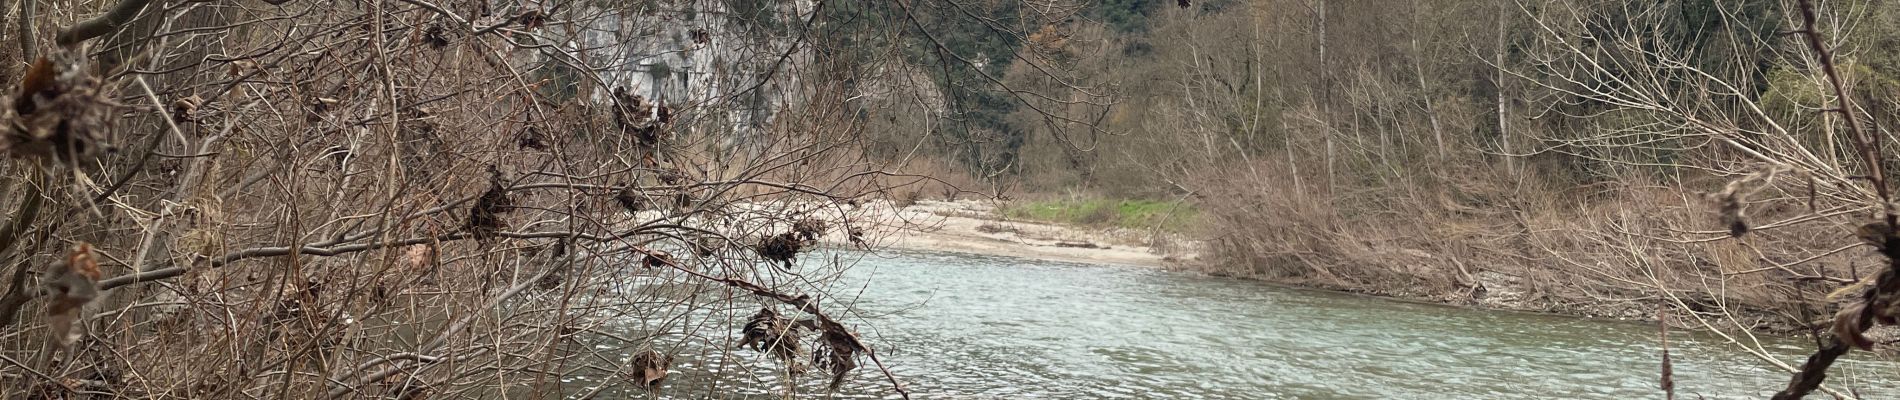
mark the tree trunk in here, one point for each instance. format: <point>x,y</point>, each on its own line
<point>1418,70</point>
<point>1504,131</point>
<point>1325,97</point>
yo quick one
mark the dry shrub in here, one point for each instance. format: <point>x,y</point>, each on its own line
<point>908,198</point>
<point>1585,249</point>
<point>1266,229</point>
<point>908,186</point>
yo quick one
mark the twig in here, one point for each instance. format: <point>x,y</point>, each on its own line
<point>1668,370</point>
<point>101,25</point>
<point>17,295</point>
<point>29,40</point>
<point>1814,370</point>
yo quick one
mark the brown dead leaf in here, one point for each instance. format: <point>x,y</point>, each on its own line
<point>532,19</point>
<point>649,369</point>
<point>74,284</point>
<point>782,248</point>
<point>59,112</point>
<point>657,259</point>
<point>630,199</point>
<point>484,219</point>
<point>838,351</point>
<point>1848,329</point>
<point>810,229</point>
<point>185,109</point>
<point>769,332</point>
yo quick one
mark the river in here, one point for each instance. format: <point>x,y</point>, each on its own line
<point>956,326</point>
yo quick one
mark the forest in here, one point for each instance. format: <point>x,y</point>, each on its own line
<point>412,198</point>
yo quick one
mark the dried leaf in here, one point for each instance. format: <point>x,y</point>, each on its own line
<point>810,229</point>
<point>656,259</point>
<point>856,236</point>
<point>838,351</point>
<point>683,199</point>
<point>58,113</point>
<point>484,219</point>
<point>435,36</point>
<point>74,284</point>
<point>783,248</point>
<point>672,177</point>
<point>185,109</point>
<point>769,332</point>
<point>632,110</point>
<point>39,80</point>
<point>649,369</point>
<point>532,138</point>
<point>1848,329</point>
<point>532,19</point>
<point>419,257</point>
<point>630,199</point>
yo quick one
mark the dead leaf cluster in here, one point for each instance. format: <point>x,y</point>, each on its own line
<point>73,285</point>
<point>649,369</point>
<point>59,112</point>
<point>484,219</point>
<point>771,333</point>
<point>782,248</point>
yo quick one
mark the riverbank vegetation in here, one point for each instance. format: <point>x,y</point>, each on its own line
<point>1174,216</point>
<point>1710,158</point>
<point>410,199</point>
<point>303,199</point>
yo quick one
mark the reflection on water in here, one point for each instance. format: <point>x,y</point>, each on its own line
<point>956,326</point>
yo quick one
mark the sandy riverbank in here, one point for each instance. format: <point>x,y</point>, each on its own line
<point>976,227</point>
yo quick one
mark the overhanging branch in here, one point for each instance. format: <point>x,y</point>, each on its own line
<point>103,24</point>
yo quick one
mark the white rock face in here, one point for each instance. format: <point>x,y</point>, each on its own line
<point>700,54</point>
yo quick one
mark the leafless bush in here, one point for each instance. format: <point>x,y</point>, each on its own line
<point>315,200</point>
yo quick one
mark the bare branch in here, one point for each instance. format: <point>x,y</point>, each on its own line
<point>102,24</point>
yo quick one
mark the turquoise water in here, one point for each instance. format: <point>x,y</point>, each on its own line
<point>954,326</point>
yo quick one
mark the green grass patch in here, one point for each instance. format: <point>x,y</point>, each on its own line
<point>1134,214</point>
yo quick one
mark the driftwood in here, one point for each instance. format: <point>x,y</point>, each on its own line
<point>1080,245</point>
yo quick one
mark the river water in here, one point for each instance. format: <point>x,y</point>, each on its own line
<point>955,326</point>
